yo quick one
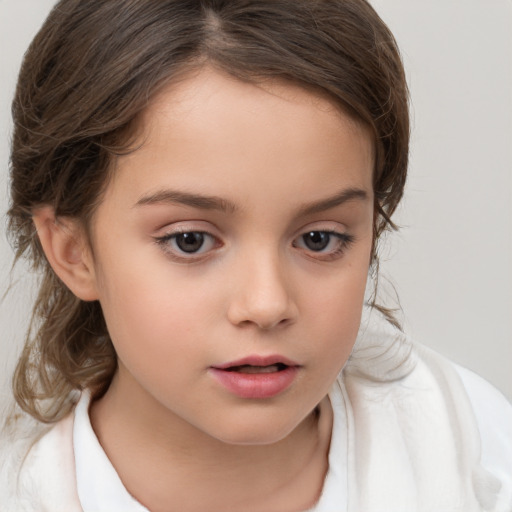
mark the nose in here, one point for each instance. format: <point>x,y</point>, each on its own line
<point>262,294</point>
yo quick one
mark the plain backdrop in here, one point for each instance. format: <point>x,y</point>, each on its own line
<point>451,263</point>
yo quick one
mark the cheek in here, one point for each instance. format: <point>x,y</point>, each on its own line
<point>342,288</point>
<point>335,309</point>
<point>338,316</point>
<point>142,306</point>
<point>155,336</point>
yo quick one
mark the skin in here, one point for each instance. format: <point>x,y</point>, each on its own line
<point>269,152</point>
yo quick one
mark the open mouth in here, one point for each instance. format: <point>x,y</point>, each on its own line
<point>251,369</point>
<point>256,377</point>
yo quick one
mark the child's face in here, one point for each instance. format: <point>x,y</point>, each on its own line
<point>242,228</point>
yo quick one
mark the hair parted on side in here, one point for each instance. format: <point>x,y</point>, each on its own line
<point>87,77</point>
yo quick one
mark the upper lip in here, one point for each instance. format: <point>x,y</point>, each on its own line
<point>257,360</point>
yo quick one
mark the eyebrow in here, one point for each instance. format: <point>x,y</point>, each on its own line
<point>205,202</point>
<point>188,199</point>
<point>338,199</point>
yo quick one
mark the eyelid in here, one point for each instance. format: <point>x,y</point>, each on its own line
<point>341,233</point>
<point>185,226</point>
<point>172,231</point>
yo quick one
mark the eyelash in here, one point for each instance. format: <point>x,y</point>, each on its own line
<point>345,241</point>
<point>165,243</point>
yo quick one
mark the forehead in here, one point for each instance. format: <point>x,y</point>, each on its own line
<point>206,96</point>
<point>208,81</point>
<point>222,136</point>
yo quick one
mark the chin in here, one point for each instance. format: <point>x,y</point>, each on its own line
<point>252,438</point>
<point>259,431</point>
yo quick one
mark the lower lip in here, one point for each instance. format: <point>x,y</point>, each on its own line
<point>256,385</point>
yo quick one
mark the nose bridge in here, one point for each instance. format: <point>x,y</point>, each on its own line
<point>263,295</point>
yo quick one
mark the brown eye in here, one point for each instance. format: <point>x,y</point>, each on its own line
<point>324,245</point>
<point>186,245</point>
<point>316,240</point>
<point>189,242</point>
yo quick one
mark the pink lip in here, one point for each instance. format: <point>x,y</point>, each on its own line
<point>256,360</point>
<point>256,385</point>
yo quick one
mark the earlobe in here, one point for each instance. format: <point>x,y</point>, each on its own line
<point>67,251</point>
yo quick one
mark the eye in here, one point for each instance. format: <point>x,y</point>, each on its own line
<point>324,243</point>
<point>317,240</point>
<point>187,243</point>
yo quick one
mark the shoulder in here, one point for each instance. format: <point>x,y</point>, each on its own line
<point>489,410</point>
<point>475,405</point>
<point>493,414</point>
<point>441,418</point>
<point>484,397</point>
<point>37,472</point>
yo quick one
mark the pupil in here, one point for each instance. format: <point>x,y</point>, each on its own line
<point>189,242</point>
<point>316,240</point>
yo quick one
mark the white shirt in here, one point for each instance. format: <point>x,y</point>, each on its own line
<point>412,432</point>
<point>100,489</point>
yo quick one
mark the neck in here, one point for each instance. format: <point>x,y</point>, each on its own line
<point>180,464</point>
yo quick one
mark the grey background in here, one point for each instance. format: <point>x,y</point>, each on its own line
<point>451,262</point>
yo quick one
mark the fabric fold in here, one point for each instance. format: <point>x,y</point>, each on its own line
<point>415,441</point>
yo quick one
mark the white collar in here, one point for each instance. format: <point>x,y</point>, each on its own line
<point>99,486</point>
<point>101,489</point>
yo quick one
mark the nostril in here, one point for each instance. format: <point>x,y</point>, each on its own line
<point>265,325</point>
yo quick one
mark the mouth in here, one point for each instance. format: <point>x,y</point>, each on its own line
<point>250,369</point>
<point>256,377</point>
<point>258,364</point>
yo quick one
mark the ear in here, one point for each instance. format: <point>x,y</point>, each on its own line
<point>67,250</point>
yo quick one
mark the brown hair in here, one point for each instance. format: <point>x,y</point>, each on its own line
<point>88,75</point>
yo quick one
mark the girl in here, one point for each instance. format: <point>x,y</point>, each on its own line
<point>203,184</point>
